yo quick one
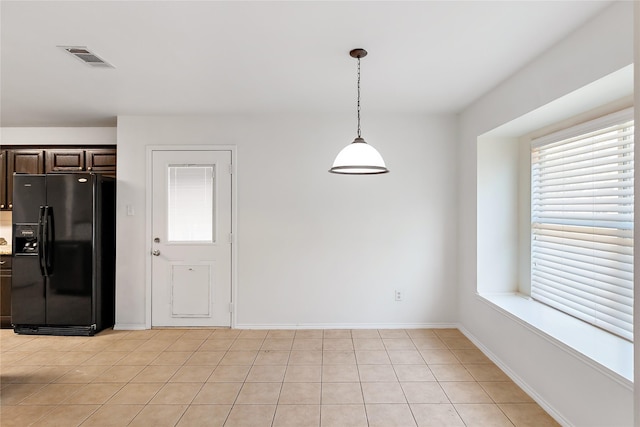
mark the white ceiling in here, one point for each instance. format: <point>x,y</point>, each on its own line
<point>208,57</point>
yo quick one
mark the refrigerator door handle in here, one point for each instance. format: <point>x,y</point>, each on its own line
<point>41,237</point>
<point>48,239</point>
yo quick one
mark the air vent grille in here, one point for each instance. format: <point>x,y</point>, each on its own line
<point>81,53</point>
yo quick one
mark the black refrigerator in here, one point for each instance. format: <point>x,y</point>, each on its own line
<point>63,276</point>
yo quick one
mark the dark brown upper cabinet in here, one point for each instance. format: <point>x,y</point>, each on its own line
<point>102,160</point>
<point>3,176</point>
<point>22,161</point>
<point>47,159</point>
<point>64,160</point>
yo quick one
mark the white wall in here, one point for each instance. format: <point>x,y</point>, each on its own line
<point>58,136</point>
<point>566,385</point>
<point>497,183</point>
<point>314,249</point>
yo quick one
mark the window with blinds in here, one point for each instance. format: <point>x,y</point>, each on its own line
<point>582,222</point>
<point>190,213</point>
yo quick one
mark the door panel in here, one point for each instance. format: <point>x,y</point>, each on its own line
<point>191,290</point>
<point>69,285</point>
<point>191,225</point>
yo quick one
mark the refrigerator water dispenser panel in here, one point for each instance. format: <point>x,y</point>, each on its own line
<point>25,239</point>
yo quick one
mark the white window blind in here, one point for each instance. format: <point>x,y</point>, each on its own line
<point>190,214</point>
<point>582,222</point>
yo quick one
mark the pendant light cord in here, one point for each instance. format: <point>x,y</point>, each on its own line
<point>358,97</point>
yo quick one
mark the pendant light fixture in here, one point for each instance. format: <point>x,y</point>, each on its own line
<point>358,158</point>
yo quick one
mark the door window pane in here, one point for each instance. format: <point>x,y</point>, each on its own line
<point>190,210</point>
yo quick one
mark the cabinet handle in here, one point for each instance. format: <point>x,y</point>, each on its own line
<point>79,168</point>
<point>1,206</point>
<point>10,205</point>
<point>89,168</point>
<point>3,262</point>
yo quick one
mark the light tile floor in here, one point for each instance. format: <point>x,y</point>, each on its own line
<point>216,377</point>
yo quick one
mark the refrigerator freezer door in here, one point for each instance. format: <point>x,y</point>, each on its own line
<point>70,198</point>
<point>27,283</point>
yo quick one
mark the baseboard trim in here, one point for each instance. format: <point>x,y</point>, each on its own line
<point>142,326</point>
<point>516,379</point>
<point>345,325</point>
<point>129,326</point>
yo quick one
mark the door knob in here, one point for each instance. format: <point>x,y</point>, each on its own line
<point>156,252</point>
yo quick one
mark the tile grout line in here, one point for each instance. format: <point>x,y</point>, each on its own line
<point>321,375</point>
<point>273,419</point>
<point>403,391</point>
<point>241,387</point>
<point>355,355</point>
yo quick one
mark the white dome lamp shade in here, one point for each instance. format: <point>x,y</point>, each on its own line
<point>359,158</point>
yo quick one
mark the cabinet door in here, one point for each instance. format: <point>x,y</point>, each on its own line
<point>3,180</point>
<point>64,160</point>
<point>22,161</point>
<point>101,160</point>
<point>5,291</point>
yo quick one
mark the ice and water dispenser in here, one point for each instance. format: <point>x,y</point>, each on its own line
<point>25,239</point>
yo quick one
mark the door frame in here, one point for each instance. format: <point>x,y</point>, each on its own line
<point>149,226</point>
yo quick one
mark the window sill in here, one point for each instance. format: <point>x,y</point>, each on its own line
<point>606,352</point>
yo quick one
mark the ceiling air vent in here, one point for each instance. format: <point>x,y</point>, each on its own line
<point>85,55</point>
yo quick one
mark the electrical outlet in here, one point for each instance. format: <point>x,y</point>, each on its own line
<point>398,295</point>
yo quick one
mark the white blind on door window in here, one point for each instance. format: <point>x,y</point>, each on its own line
<point>582,222</point>
<point>190,199</point>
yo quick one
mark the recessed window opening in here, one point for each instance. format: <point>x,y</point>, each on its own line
<point>582,221</point>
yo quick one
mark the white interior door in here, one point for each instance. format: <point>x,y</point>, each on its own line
<point>191,232</point>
